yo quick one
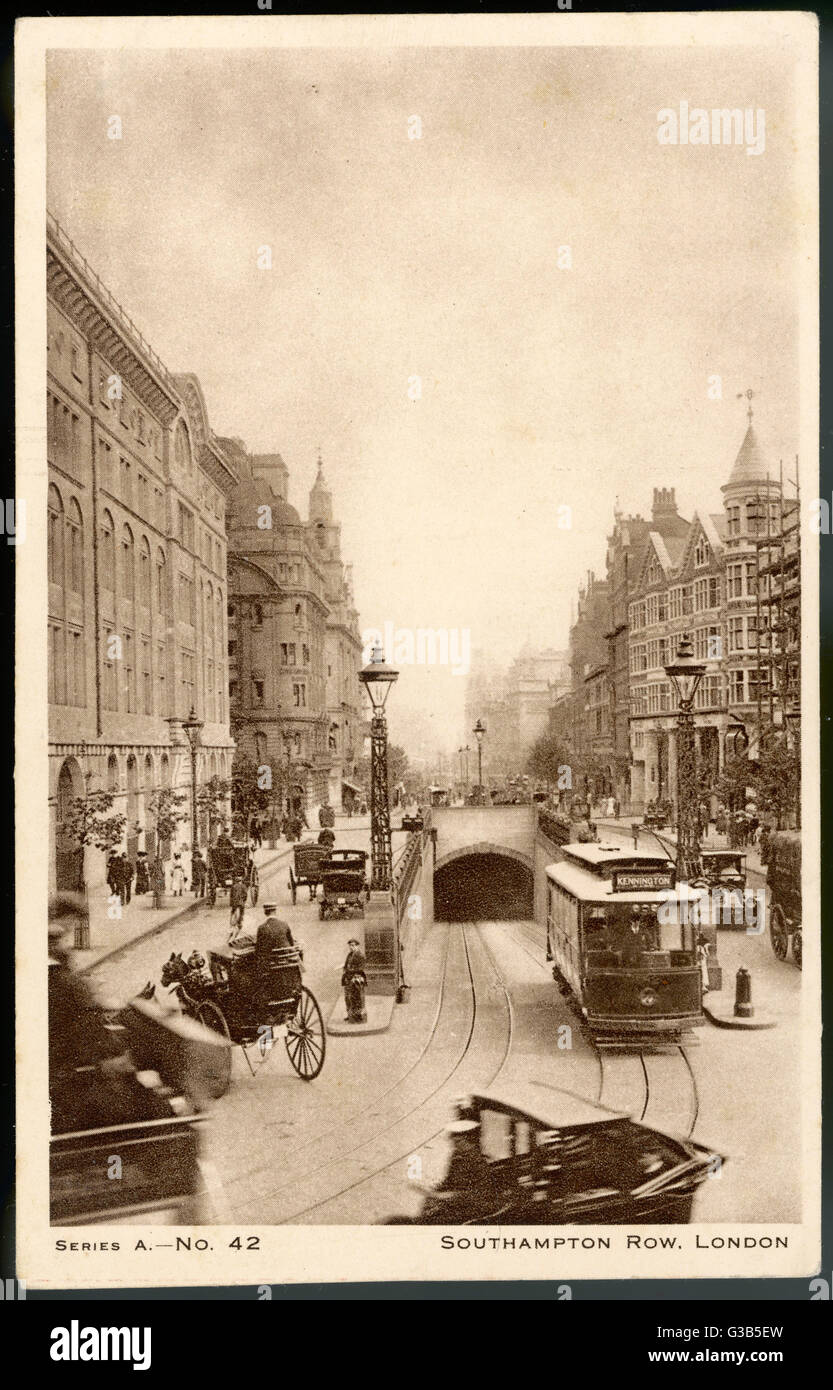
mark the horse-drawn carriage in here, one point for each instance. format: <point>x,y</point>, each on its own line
<point>225,862</point>
<point>784,883</point>
<point>251,1007</point>
<point>344,885</point>
<point>306,870</point>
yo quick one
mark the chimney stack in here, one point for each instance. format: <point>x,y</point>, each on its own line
<point>665,503</point>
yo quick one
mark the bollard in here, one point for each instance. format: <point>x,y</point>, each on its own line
<point>635,833</point>
<point>743,994</point>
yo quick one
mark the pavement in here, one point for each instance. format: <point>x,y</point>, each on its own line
<point>109,935</point>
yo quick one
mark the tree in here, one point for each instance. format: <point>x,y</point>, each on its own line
<point>163,807</point>
<point>548,758</point>
<point>90,820</point>
<point>212,800</point>
<point>777,780</point>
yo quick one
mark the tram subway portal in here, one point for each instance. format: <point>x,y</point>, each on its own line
<point>483,888</point>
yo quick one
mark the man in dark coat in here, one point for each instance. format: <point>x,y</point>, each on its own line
<point>272,934</point>
<point>113,873</point>
<point>354,983</point>
<point>125,872</point>
<point>198,874</point>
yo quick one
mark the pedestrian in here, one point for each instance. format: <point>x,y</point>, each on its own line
<point>273,934</point>
<point>177,877</point>
<point>113,875</point>
<point>616,808</point>
<point>237,903</point>
<point>198,874</point>
<point>128,873</point>
<point>142,876</point>
<point>611,807</point>
<point>354,983</point>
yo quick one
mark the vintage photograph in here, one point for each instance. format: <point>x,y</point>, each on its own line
<point>420,458</point>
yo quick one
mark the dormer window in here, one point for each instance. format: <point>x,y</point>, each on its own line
<point>701,553</point>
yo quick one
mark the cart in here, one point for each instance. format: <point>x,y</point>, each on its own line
<point>784,883</point>
<point>411,823</point>
<point>252,1009</point>
<point>344,885</point>
<point>307,868</point>
<point>224,862</point>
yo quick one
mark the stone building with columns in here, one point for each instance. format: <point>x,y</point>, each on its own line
<point>294,648</point>
<point>136,551</point>
<point>701,582</point>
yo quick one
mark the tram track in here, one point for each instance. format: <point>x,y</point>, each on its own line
<point>463,1043</point>
<point>639,1079</point>
<point>651,1091</point>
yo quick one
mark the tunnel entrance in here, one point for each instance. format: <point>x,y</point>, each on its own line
<point>483,887</point>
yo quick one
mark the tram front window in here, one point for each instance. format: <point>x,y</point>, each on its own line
<point>634,929</point>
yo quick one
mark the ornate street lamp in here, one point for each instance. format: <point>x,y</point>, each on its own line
<point>478,731</point>
<point>192,726</point>
<point>377,678</point>
<point>685,675</point>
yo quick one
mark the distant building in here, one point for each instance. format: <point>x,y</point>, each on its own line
<point>515,706</point>
<point>294,646</point>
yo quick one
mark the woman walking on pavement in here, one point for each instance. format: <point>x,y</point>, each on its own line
<point>177,877</point>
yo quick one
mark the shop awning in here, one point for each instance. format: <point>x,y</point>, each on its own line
<point>351,786</point>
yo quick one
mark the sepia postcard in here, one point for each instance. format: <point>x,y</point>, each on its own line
<point>417,553</point>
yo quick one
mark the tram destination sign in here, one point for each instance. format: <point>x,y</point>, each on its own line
<point>633,880</point>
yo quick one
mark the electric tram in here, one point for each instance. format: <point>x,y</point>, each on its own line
<point>622,942</point>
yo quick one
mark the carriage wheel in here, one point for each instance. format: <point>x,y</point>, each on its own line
<point>797,946</point>
<point>306,1040</point>
<point>778,934</point>
<point>254,886</point>
<point>219,1076</point>
<point>212,892</point>
<point>293,887</point>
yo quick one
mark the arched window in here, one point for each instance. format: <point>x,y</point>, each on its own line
<point>144,573</point>
<point>75,548</point>
<point>55,536</point>
<point>107,567</point>
<point>127,564</point>
<point>161,583</point>
<point>182,449</point>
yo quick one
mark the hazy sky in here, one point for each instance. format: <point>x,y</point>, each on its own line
<point>438,257</point>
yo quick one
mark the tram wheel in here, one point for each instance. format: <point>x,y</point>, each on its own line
<point>797,946</point>
<point>778,934</point>
<point>219,1075</point>
<point>306,1041</point>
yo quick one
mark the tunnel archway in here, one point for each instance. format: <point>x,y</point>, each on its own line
<point>483,883</point>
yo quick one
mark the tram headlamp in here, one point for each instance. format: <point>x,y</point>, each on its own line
<point>648,997</point>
